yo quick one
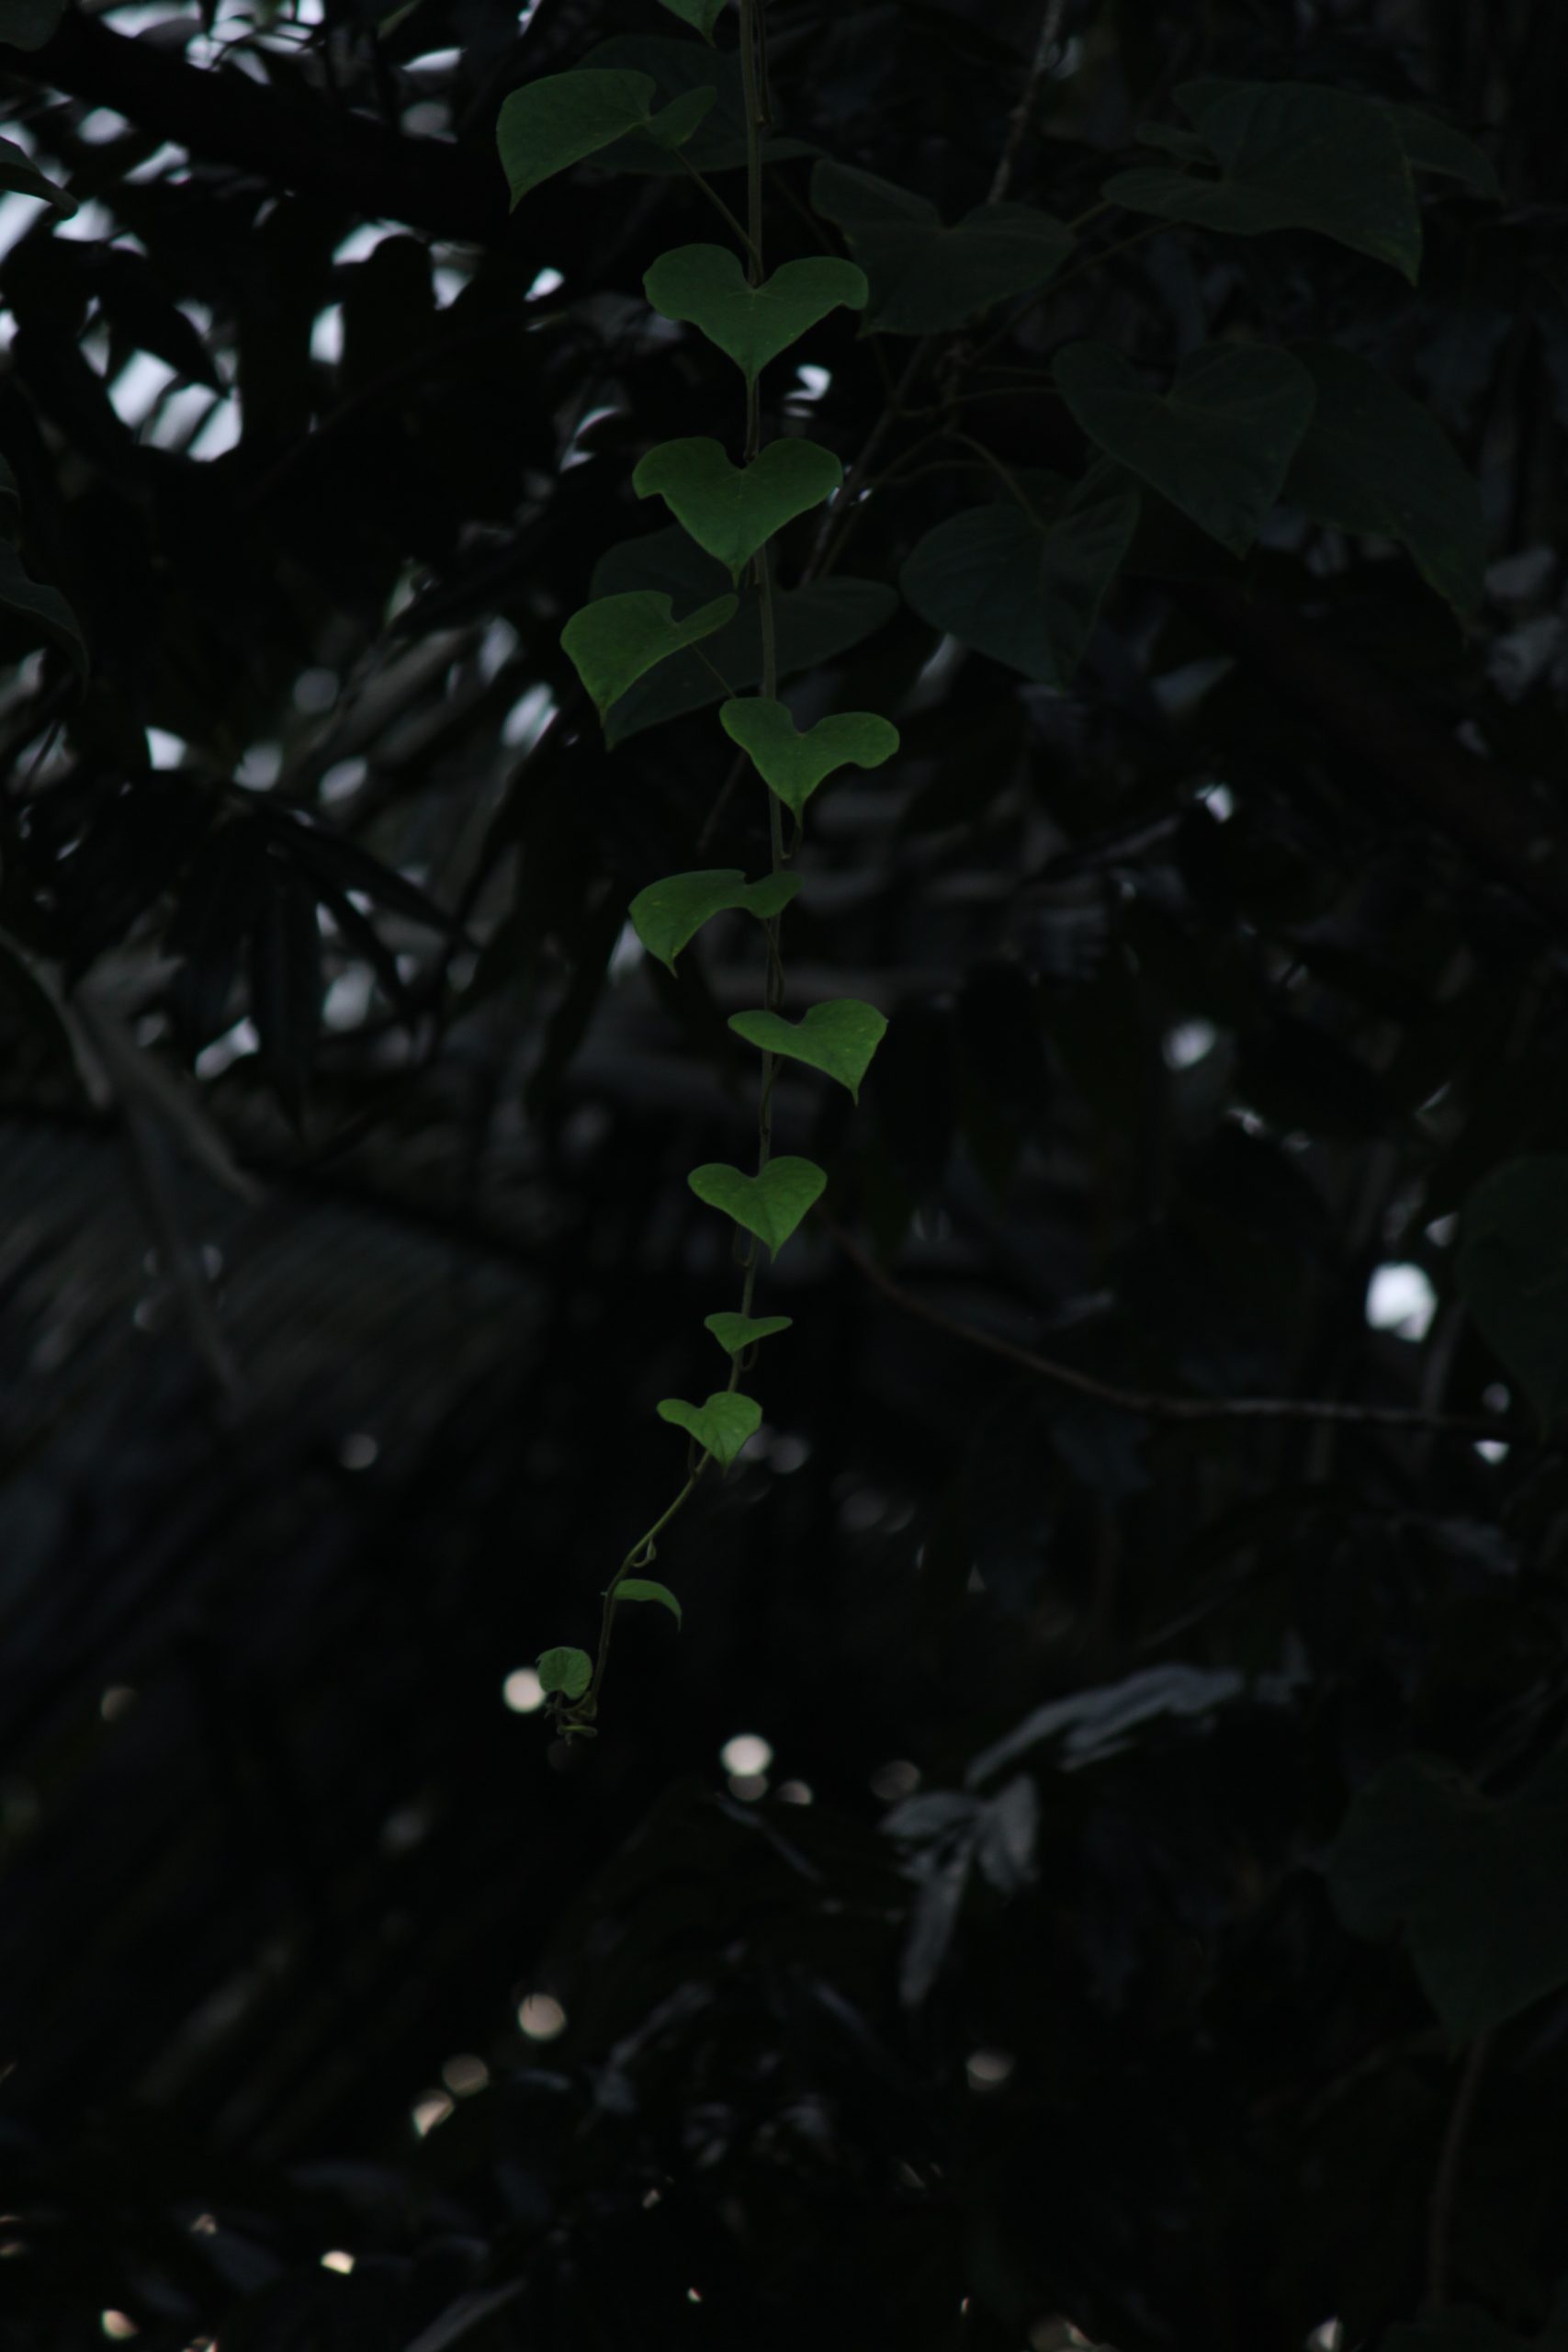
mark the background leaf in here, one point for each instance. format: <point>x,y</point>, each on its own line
<point>925,277</point>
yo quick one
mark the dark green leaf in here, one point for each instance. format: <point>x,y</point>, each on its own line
<point>770,1206</point>
<point>925,277</point>
<point>648,1588</point>
<point>721,1427</point>
<point>617,640</point>
<point>1218,445</point>
<point>27,24</point>
<point>838,1037</point>
<point>1374,459</point>
<point>566,1672</point>
<point>793,763</point>
<point>1025,591</point>
<point>561,120</point>
<point>706,286</point>
<point>731,511</point>
<point>669,913</point>
<point>735,1332</point>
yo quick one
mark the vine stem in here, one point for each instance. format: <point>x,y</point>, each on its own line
<point>1151,1404</point>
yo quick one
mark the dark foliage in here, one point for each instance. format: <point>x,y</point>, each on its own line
<point>1150,1918</point>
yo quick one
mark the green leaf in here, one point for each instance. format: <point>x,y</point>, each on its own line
<point>703,15</point>
<point>721,1427</point>
<point>812,626</point>
<point>565,1672</point>
<point>793,764</point>
<point>669,913</point>
<point>1291,156</point>
<point>770,1206</point>
<point>838,1037</point>
<point>1218,445</point>
<point>548,125</point>
<point>729,510</point>
<point>706,287</point>
<point>647,1588</point>
<point>1023,592</point>
<point>617,640</point>
<point>679,66</point>
<point>41,612</point>
<point>19,171</point>
<point>923,275</point>
<point>1513,1275</point>
<point>1374,459</point>
<point>734,1333</point>
<point>1477,1886</point>
<point>1431,145</point>
<point>27,24</point>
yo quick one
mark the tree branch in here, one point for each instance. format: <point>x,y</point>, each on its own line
<point>1150,1403</point>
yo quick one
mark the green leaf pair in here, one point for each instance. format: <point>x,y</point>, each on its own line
<point>791,763</point>
<point>731,511</point>
<point>769,1205</point>
<point>704,287</point>
<point>721,1427</point>
<point>838,1037</point>
<point>668,914</point>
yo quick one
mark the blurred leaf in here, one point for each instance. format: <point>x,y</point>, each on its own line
<point>1513,1275</point>
<point>1025,591</point>
<point>1374,459</point>
<point>925,277</point>
<point>1476,1884</point>
<point>1217,444</point>
<point>27,24</point>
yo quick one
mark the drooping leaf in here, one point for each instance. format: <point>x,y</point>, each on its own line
<point>1476,1885</point>
<point>703,15</point>
<point>923,275</point>
<point>770,1206</point>
<point>793,764</point>
<point>706,287</point>
<point>812,626</point>
<point>618,640</point>
<point>669,913</point>
<point>1218,445</point>
<point>548,125</point>
<point>838,1037</point>
<point>566,1672</point>
<point>1513,1275</point>
<point>41,611</point>
<point>1025,591</point>
<point>1290,155</point>
<point>731,511</point>
<point>735,1332</point>
<point>649,1589</point>
<point>1374,459</point>
<point>721,1427</point>
<point>19,171</point>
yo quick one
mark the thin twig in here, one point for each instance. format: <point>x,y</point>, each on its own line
<point>1019,120</point>
<point>1445,2186</point>
<point>1149,1403</point>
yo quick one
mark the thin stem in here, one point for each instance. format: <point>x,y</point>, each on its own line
<point>641,1556</point>
<point>719,205</point>
<point>1151,1404</point>
<point>1019,121</point>
<point>1445,2187</point>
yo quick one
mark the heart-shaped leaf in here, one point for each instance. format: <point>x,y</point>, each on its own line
<point>838,1037</point>
<point>734,1333</point>
<point>701,15</point>
<point>770,1206</point>
<point>1291,156</point>
<point>721,1427</point>
<point>1478,1886</point>
<point>1513,1275</point>
<point>548,125</point>
<point>649,1589</point>
<point>617,640</point>
<point>731,509</point>
<point>793,764</point>
<point>565,1672</point>
<point>812,626</point>
<point>1218,445</point>
<point>706,287</point>
<point>1025,591</point>
<point>1374,459</point>
<point>923,275</point>
<point>669,913</point>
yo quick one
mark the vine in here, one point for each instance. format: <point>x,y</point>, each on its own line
<point>1245,425</point>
